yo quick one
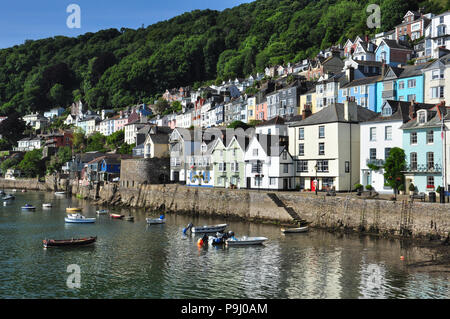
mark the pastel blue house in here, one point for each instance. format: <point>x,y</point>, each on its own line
<point>392,53</point>
<point>362,90</point>
<point>422,143</point>
<point>401,84</point>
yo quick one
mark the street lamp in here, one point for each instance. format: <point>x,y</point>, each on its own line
<point>316,181</point>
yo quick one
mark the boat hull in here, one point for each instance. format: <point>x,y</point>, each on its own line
<point>294,230</point>
<point>116,216</point>
<point>209,229</point>
<point>69,242</point>
<point>80,221</point>
<point>151,221</point>
<point>28,208</point>
<point>246,241</point>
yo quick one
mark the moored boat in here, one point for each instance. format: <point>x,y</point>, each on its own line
<point>102,212</point>
<point>28,207</point>
<point>129,218</point>
<point>47,205</point>
<point>69,242</point>
<point>245,241</point>
<point>78,219</point>
<point>60,193</point>
<point>155,221</point>
<point>295,230</point>
<point>209,229</point>
<point>116,216</point>
<point>73,209</point>
<point>9,197</point>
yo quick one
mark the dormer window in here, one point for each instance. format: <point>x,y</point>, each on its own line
<point>387,110</point>
<point>422,117</point>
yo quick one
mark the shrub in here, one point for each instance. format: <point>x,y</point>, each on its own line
<point>358,186</point>
<point>412,188</point>
<point>369,187</point>
<point>401,187</point>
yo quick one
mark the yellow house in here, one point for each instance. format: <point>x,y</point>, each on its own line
<point>251,108</point>
<point>308,98</point>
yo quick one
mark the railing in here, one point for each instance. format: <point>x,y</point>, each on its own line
<point>424,168</point>
<point>377,162</point>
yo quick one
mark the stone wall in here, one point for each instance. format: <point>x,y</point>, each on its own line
<point>24,183</point>
<point>431,220</point>
<point>134,172</point>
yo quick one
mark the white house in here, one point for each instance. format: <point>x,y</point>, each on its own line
<point>56,112</point>
<point>28,144</point>
<point>268,164</point>
<point>275,126</point>
<point>35,120</point>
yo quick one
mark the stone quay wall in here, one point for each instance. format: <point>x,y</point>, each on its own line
<point>417,220</point>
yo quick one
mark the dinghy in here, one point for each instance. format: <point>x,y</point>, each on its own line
<point>209,229</point>
<point>69,242</point>
<point>102,212</point>
<point>9,197</point>
<point>47,205</point>
<point>28,207</point>
<point>116,216</point>
<point>295,230</point>
<point>60,193</point>
<point>155,221</point>
<point>79,219</point>
<point>245,241</point>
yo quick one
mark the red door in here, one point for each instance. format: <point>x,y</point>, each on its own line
<point>313,185</point>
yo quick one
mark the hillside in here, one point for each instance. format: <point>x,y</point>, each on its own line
<point>116,68</point>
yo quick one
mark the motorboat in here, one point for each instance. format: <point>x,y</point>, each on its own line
<point>47,205</point>
<point>60,193</point>
<point>69,242</point>
<point>102,212</point>
<point>220,238</point>
<point>245,241</point>
<point>24,190</point>
<point>73,209</point>
<point>155,221</point>
<point>295,230</point>
<point>79,219</point>
<point>9,197</point>
<point>208,229</point>
<point>28,207</point>
<point>116,216</point>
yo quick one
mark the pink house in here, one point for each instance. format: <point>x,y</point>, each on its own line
<point>261,111</point>
<point>120,121</point>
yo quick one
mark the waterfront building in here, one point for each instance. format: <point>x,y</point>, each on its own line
<point>437,76</point>
<point>200,172</point>
<point>323,160</point>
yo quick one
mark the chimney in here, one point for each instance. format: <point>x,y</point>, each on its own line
<point>350,74</point>
<point>350,109</point>
<point>412,109</point>
<point>383,69</point>
<point>306,111</point>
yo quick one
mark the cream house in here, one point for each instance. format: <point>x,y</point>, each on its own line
<point>326,147</point>
<point>437,75</point>
<point>156,145</point>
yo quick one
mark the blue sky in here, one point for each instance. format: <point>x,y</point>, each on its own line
<point>22,20</point>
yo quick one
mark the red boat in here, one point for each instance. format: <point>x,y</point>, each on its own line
<point>69,242</point>
<point>116,216</point>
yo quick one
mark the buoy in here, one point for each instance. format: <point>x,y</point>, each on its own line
<point>402,258</point>
<point>200,242</point>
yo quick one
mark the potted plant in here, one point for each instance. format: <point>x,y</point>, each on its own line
<point>359,188</point>
<point>369,188</point>
<point>412,189</point>
<point>401,189</point>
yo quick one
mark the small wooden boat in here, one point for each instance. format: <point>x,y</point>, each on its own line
<point>79,219</point>
<point>9,197</point>
<point>28,207</point>
<point>209,229</point>
<point>244,241</point>
<point>295,230</point>
<point>116,216</point>
<point>47,205</point>
<point>129,218</point>
<point>69,242</point>
<point>73,209</point>
<point>102,212</point>
<point>155,221</point>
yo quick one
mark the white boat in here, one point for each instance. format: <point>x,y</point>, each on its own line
<point>245,241</point>
<point>47,205</point>
<point>79,219</point>
<point>209,229</point>
<point>28,207</point>
<point>155,221</point>
<point>60,193</point>
<point>102,212</point>
<point>295,230</point>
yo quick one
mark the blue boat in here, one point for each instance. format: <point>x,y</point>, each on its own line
<point>28,207</point>
<point>79,219</point>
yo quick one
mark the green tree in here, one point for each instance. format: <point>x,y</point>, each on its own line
<point>96,142</point>
<point>394,167</point>
<point>32,164</point>
<point>79,142</point>
<point>116,139</point>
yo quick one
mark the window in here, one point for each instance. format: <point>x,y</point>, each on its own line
<point>258,181</point>
<point>322,166</point>
<point>285,155</point>
<point>430,160</point>
<point>437,74</point>
<point>387,151</point>
<point>401,85</point>
<point>255,152</point>
<point>422,118</point>
<point>321,131</point>
<point>256,167</point>
<point>302,166</point>
<point>387,110</point>
<point>430,181</point>
<point>285,168</point>
<point>413,161</point>
<point>373,134</point>
<point>269,131</point>
<point>412,83</point>
<point>388,133</point>
<point>430,137</point>
<point>411,97</point>
<point>272,181</point>
<point>347,167</point>
<point>301,149</point>
<point>321,148</point>
<point>437,92</point>
<point>413,138</point>
<point>363,89</point>
<point>373,153</point>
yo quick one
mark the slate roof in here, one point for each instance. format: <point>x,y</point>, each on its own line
<point>400,111</point>
<point>434,118</point>
<point>362,81</point>
<point>277,120</point>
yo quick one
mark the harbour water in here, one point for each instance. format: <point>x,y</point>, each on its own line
<point>134,260</point>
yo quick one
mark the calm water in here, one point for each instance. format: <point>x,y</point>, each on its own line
<point>133,260</point>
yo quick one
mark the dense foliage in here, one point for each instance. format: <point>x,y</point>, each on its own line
<point>116,68</point>
<point>394,167</point>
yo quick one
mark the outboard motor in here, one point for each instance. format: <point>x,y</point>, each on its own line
<point>187,228</point>
<point>162,216</point>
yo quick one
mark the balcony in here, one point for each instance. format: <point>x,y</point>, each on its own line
<point>377,162</point>
<point>388,94</point>
<point>423,168</point>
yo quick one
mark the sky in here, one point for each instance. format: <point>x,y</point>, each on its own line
<point>22,20</point>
